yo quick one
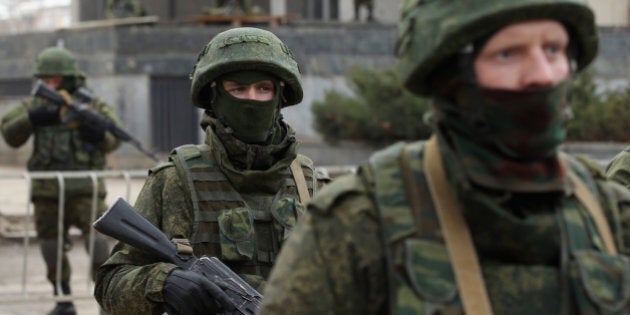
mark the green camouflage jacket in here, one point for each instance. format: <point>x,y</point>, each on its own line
<point>619,168</point>
<point>59,147</point>
<point>131,282</point>
<point>336,261</point>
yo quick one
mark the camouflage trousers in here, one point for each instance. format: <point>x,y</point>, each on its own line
<point>77,213</point>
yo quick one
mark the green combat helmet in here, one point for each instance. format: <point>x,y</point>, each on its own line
<point>56,61</point>
<point>245,48</point>
<point>433,30</point>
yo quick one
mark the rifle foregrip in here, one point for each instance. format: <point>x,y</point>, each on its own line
<point>122,222</point>
<point>42,90</point>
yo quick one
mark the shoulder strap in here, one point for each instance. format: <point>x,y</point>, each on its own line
<point>300,181</point>
<point>456,235</point>
<point>179,156</point>
<point>592,206</point>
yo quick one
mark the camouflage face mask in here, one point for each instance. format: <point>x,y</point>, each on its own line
<point>252,121</point>
<point>69,84</point>
<point>522,125</point>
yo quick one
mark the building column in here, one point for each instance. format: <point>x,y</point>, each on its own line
<point>278,7</point>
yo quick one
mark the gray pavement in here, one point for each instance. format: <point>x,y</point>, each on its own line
<point>23,285</point>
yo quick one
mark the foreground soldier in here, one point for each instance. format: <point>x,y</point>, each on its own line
<point>59,146</point>
<point>487,217</point>
<point>236,197</point>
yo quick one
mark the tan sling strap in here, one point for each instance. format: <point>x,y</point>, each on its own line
<point>459,243</point>
<point>592,206</point>
<point>300,182</point>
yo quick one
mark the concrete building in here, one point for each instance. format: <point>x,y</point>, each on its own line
<point>142,69</point>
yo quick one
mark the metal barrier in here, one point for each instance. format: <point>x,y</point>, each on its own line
<point>24,296</point>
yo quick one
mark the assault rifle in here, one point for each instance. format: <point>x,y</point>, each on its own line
<point>122,222</point>
<point>80,111</point>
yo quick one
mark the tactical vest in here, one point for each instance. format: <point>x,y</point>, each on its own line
<point>246,237</point>
<point>59,147</point>
<point>422,279</point>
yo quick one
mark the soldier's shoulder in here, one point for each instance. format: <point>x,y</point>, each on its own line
<point>161,168</point>
<point>165,176</point>
<point>187,152</point>
<point>593,174</point>
<point>305,161</point>
<point>585,166</point>
<point>345,195</point>
<point>622,159</point>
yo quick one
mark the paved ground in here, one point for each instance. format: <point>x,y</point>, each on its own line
<point>23,285</point>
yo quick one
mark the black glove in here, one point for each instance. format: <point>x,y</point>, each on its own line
<point>92,126</point>
<point>187,292</point>
<point>44,115</point>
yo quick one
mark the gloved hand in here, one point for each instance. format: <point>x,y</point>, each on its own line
<point>92,126</point>
<point>189,293</point>
<point>44,115</point>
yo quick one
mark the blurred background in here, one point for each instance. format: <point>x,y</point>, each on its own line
<point>139,63</point>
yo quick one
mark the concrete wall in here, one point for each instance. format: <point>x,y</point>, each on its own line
<point>120,62</point>
<point>611,12</point>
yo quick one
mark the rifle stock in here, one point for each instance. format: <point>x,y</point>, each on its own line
<point>122,222</point>
<point>79,110</point>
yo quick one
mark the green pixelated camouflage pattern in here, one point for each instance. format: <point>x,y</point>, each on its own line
<point>221,191</point>
<point>604,282</point>
<point>237,234</point>
<point>245,48</point>
<point>334,261</point>
<point>286,211</point>
<point>331,264</point>
<point>131,281</point>
<point>431,31</point>
<point>59,147</point>
<point>618,169</point>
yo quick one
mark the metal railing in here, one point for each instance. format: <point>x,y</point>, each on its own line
<point>24,296</point>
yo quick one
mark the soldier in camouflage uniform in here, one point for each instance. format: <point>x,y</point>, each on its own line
<point>118,9</point>
<point>236,197</point>
<point>369,5</point>
<point>58,146</point>
<point>488,216</point>
<point>243,6</point>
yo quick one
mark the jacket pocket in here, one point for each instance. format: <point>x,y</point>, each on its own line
<point>430,271</point>
<point>236,234</point>
<point>601,282</point>
<point>285,212</point>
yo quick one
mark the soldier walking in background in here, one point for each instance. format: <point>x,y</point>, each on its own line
<point>236,197</point>
<point>62,145</point>
<point>369,5</point>
<point>118,9</point>
<point>488,216</point>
